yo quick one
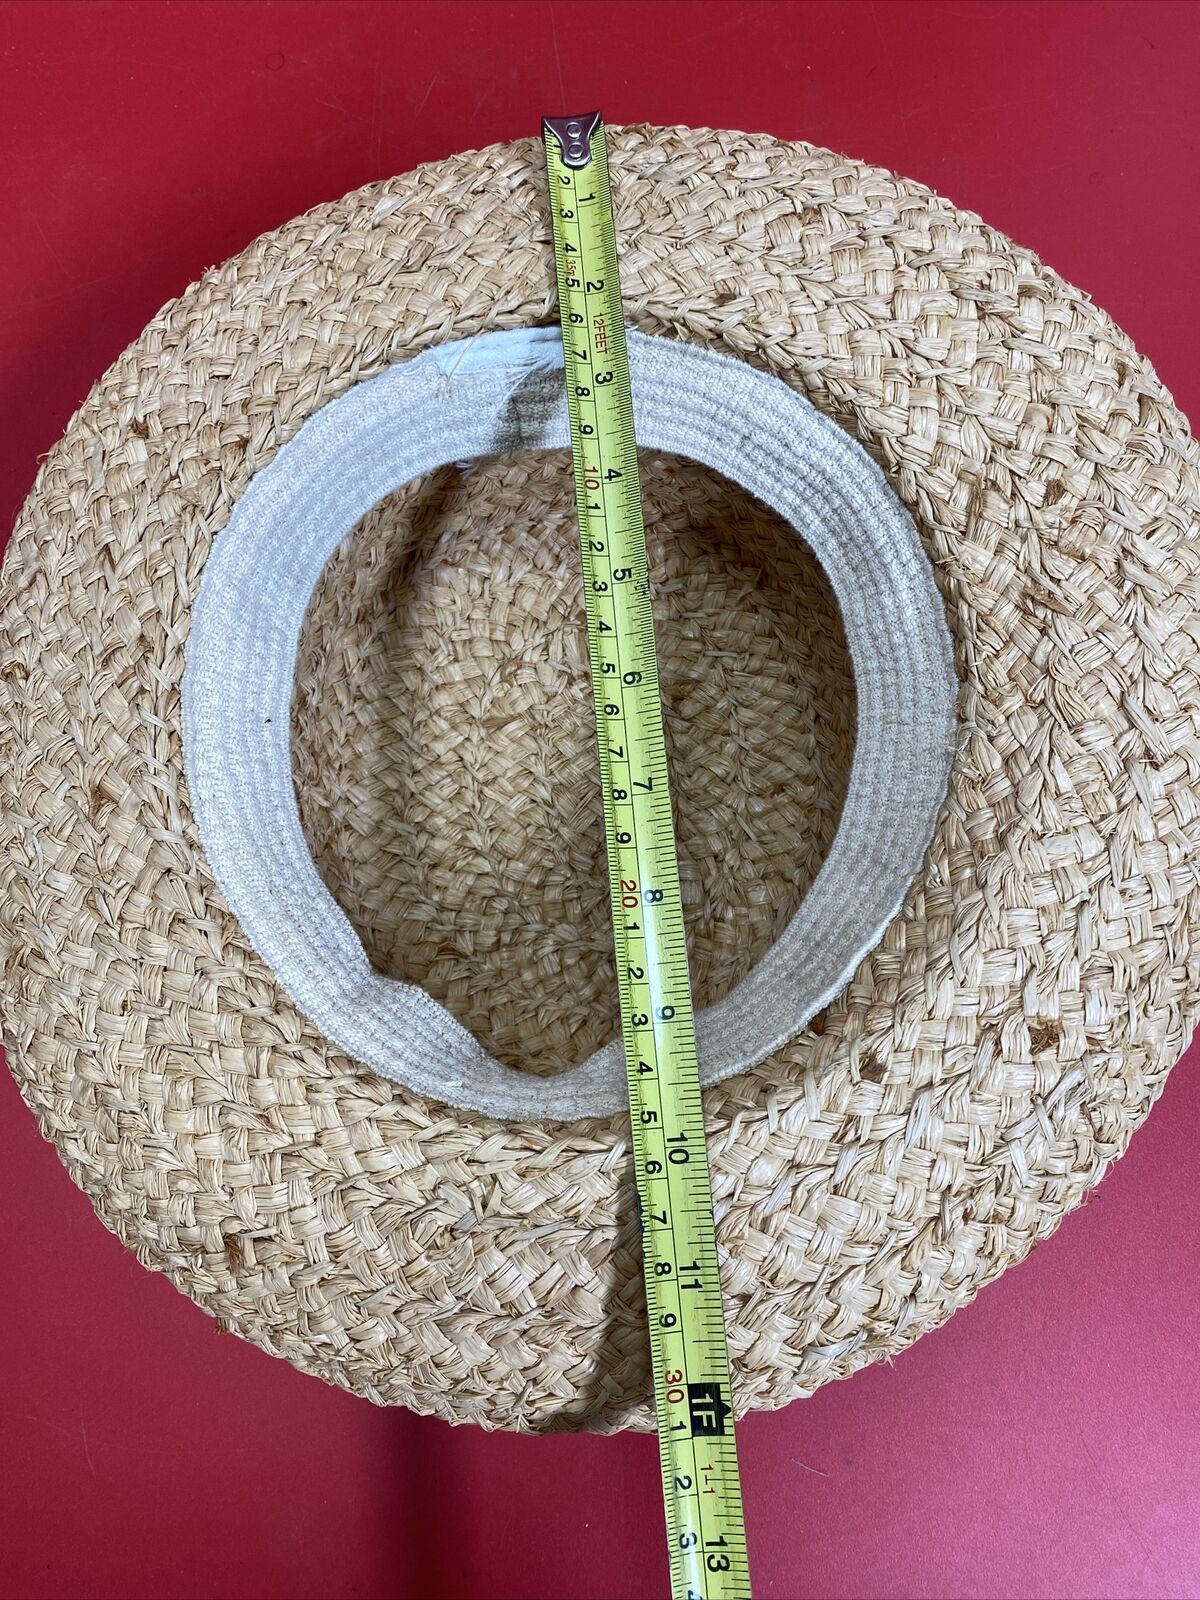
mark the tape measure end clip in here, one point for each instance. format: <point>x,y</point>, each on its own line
<point>574,135</point>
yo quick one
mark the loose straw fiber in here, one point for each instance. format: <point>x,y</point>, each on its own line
<point>988,1059</point>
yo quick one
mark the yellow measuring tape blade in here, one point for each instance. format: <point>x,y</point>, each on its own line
<point>701,1486</point>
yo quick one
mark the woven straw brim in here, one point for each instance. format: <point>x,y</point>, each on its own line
<point>986,1062</point>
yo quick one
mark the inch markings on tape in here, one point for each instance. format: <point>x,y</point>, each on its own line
<point>701,1485</point>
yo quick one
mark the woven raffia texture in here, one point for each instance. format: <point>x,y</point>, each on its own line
<point>465,837</point>
<point>987,1061</point>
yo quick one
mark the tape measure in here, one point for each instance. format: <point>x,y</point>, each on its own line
<point>701,1486</point>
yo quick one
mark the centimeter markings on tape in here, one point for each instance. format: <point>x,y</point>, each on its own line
<point>701,1486</point>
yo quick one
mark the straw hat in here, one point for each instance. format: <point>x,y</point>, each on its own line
<point>339,1058</point>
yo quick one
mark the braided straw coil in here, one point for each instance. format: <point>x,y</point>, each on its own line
<point>987,1060</point>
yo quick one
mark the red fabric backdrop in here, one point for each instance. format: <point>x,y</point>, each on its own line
<point>1046,1442</point>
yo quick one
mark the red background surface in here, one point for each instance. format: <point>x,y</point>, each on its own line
<point>1045,1443</point>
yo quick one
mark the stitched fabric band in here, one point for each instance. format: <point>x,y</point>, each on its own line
<point>483,397</point>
